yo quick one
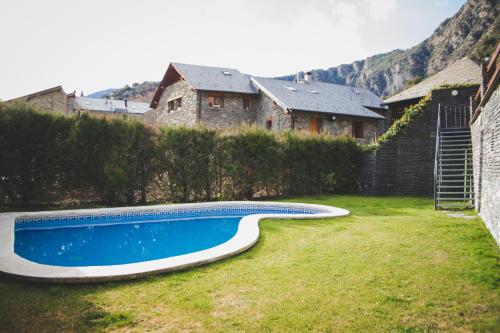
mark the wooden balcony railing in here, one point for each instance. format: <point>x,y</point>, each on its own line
<point>490,76</point>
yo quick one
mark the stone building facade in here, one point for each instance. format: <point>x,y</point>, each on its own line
<point>271,116</point>
<point>185,114</point>
<point>233,113</point>
<point>223,98</point>
<point>53,100</point>
<point>485,131</point>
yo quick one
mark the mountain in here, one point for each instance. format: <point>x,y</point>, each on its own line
<point>101,93</point>
<point>140,92</point>
<point>473,31</point>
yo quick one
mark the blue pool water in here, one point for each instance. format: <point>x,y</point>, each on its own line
<point>114,239</point>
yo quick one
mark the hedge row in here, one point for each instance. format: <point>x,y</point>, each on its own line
<point>47,159</point>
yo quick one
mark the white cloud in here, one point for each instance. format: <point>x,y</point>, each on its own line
<point>381,9</point>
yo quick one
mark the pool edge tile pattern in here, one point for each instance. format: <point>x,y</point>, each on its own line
<point>245,237</point>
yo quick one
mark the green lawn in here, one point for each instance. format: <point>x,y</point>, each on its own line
<point>394,265</point>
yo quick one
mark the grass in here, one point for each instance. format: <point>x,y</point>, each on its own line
<point>394,265</point>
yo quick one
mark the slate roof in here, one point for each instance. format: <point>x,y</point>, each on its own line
<point>110,105</point>
<point>215,78</point>
<point>323,97</point>
<point>464,70</point>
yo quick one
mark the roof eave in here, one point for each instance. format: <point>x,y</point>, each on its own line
<point>269,94</point>
<point>380,117</point>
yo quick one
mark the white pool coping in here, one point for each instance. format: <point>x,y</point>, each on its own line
<point>246,236</point>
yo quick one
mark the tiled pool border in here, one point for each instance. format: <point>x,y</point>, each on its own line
<point>246,236</point>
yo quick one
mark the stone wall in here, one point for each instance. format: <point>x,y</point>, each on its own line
<point>267,109</point>
<point>231,115</point>
<point>405,164</point>
<point>51,101</point>
<point>187,114</point>
<point>486,159</point>
<point>341,126</point>
<point>195,109</point>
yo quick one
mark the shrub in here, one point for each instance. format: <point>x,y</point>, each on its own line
<point>187,163</point>
<point>410,113</point>
<point>31,146</point>
<point>314,161</point>
<point>115,159</point>
<point>47,159</point>
<point>249,160</point>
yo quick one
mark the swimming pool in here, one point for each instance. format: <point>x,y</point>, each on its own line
<point>121,243</point>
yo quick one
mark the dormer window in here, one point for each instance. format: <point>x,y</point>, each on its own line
<point>216,101</point>
<point>227,73</point>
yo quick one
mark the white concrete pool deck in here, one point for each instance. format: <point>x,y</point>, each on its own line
<point>246,236</point>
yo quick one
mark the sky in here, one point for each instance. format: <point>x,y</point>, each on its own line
<point>92,45</point>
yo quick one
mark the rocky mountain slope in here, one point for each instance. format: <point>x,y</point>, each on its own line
<point>473,31</point>
<point>389,73</point>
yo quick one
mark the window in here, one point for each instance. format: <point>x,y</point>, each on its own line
<point>269,124</point>
<point>178,103</point>
<point>247,103</point>
<point>171,106</point>
<point>174,104</point>
<point>216,101</point>
<point>357,129</point>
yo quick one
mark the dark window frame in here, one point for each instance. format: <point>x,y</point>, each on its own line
<point>358,130</point>
<point>247,103</point>
<point>212,101</point>
<point>269,124</point>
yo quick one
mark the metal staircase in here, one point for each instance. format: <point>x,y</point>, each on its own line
<point>453,177</point>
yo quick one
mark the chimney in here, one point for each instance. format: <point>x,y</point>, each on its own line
<point>297,77</point>
<point>308,77</point>
<point>125,103</point>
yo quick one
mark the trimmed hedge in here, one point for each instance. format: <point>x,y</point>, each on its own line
<point>48,159</point>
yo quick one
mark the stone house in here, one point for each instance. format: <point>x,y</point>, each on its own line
<point>53,100</point>
<point>223,98</point>
<point>56,100</point>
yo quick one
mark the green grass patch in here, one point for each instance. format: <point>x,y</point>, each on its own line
<point>393,265</point>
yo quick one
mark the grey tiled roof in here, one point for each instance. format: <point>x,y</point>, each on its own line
<point>464,70</point>
<point>321,97</point>
<point>215,78</point>
<point>110,105</point>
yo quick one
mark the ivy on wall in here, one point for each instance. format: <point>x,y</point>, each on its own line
<point>410,113</point>
<point>457,85</point>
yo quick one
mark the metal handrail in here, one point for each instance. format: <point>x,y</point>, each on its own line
<point>436,155</point>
